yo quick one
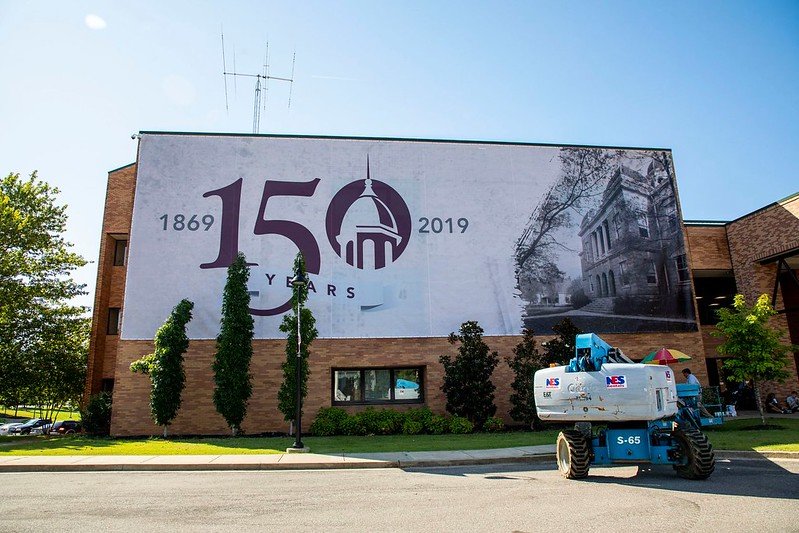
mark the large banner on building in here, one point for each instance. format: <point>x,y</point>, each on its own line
<point>408,238</point>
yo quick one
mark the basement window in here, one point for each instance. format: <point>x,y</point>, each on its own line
<point>377,385</point>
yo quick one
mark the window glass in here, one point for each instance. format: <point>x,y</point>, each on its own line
<point>407,384</point>
<point>652,275</point>
<point>377,385</point>
<point>682,267</point>
<point>120,247</point>
<point>113,321</point>
<point>347,386</point>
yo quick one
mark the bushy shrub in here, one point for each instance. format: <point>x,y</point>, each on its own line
<point>437,425</point>
<point>353,425</point>
<point>96,416</point>
<point>381,421</point>
<point>422,415</point>
<point>412,427</point>
<point>459,425</point>
<point>493,425</point>
<point>328,421</point>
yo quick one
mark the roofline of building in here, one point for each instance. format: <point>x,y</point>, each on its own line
<point>402,139</point>
<point>714,223</point>
<point>120,168</point>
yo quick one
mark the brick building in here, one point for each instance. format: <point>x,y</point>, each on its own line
<point>756,253</point>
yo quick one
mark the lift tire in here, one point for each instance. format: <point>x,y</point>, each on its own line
<point>698,452</point>
<point>573,454</point>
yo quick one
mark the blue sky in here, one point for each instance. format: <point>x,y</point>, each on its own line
<point>714,81</point>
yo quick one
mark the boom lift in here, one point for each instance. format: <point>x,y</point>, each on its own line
<point>643,417</point>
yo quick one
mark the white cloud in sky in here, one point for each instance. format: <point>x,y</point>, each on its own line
<point>94,22</point>
<point>179,90</point>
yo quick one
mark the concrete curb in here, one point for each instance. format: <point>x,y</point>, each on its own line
<point>178,463</point>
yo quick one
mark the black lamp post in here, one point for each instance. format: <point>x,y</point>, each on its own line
<point>299,282</point>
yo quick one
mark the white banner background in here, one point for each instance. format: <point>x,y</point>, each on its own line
<point>438,282</point>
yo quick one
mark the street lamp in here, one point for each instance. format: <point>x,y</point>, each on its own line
<point>299,282</point>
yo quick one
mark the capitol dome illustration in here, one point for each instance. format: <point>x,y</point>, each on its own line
<point>368,235</point>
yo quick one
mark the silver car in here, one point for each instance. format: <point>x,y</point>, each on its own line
<point>5,429</point>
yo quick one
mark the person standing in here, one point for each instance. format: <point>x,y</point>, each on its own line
<point>689,377</point>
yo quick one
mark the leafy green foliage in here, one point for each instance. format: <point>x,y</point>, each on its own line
<point>287,394</point>
<point>96,415</point>
<point>412,427</point>
<point>438,425</point>
<point>467,378</point>
<point>459,425</point>
<point>755,349</point>
<point>493,425</point>
<point>43,339</point>
<point>233,382</point>
<point>328,421</point>
<point>165,365</point>
<point>524,363</point>
<point>561,349</point>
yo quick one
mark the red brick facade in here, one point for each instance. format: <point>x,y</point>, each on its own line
<point>110,357</point>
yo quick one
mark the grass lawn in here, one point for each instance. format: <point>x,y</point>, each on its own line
<point>8,413</point>
<point>263,445</point>
<point>733,435</point>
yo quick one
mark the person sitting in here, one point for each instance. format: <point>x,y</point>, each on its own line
<point>689,377</point>
<point>773,405</point>
<point>792,401</point>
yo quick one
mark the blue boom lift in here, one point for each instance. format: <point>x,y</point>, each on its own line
<point>643,416</point>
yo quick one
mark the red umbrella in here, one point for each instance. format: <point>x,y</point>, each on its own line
<point>665,356</point>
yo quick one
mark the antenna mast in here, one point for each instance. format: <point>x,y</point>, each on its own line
<point>261,83</point>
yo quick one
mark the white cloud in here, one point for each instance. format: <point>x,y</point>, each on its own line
<point>94,22</point>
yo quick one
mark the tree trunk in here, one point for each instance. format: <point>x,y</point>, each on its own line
<point>165,426</point>
<point>234,430</point>
<point>759,401</point>
<point>291,428</point>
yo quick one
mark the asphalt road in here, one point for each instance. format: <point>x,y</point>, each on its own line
<point>742,495</point>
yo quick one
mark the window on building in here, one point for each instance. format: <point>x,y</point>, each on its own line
<point>714,289</point>
<point>652,274</point>
<point>673,226</point>
<point>120,248</point>
<point>378,385</point>
<point>643,225</point>
<point>601,240</point>
<point>682,268</point>
<point>113,321</point>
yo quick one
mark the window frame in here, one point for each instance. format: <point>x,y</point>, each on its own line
<point>109,330</point>
<point>392,380</point>
<point>117,260</point>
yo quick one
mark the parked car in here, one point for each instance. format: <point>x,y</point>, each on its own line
<point>5,429</point>
<point>41,430</point>
<point>25,429</point>
<point>65,427</point>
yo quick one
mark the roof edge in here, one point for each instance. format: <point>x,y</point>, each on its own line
<point>123,166</point>
<point>401,139</point>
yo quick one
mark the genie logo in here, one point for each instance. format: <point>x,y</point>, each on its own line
<point>368,224</point>
<point>616,382</point>
<point>553,383</point>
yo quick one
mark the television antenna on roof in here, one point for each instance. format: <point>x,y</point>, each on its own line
<point>261,83</point>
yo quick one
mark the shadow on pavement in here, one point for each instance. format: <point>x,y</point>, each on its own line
<point>759,478</point>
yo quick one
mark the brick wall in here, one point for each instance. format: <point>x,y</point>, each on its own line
<point>198,416</point>
<point>110,287</point>
<point>766,231</point>
<point>709,249</point>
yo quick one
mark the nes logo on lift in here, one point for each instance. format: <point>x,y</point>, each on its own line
<point>616,382</point>
<point>553,383</point>
<point>668,375</point>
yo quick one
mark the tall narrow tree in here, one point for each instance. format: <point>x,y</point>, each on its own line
<point>165,365</point>
<point>287,395</point>
<point>524,363</point>
<point>561,349</point>
<point>467,377</point>
<point>234,348</point>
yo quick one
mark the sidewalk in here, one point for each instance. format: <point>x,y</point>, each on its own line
<point>303,461</point>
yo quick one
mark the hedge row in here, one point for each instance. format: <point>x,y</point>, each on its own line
<point>335,421</point>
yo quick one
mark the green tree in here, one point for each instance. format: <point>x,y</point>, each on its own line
<point>467,378</point>
<point>287,395</point>
<point>755,349</point>
<point>525,362</point>
<point>165,365</point>
<point>234,348</point>
<point>561,349</point>
<point>39,329</point>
